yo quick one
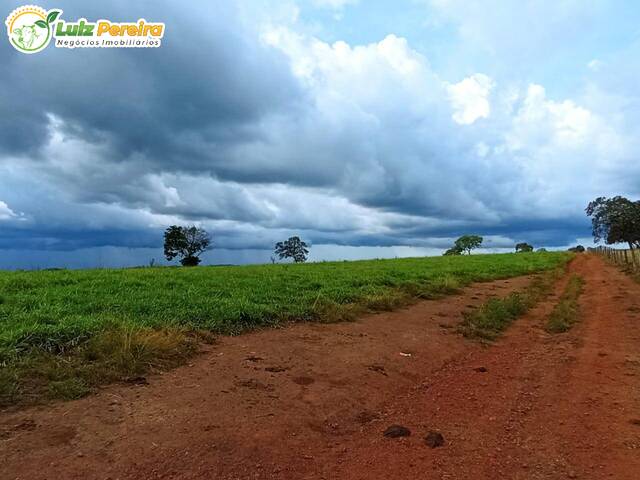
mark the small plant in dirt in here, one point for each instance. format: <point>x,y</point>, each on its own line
<point>565,313</point>
<point>186,243</point>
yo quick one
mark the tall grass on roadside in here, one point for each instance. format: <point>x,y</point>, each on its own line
<point>565,313</point>
<point>489,320</point>
<point>110,356</point>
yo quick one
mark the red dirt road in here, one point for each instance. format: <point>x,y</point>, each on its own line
<point>311,402</point>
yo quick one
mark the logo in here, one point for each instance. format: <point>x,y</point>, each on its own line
<point>31,29</point>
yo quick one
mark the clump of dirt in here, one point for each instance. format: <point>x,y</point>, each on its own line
<point>434,439</point>
<point>276,369</point>
<point>366,417</point>
<point>303,380</point>
<point>254,384</point>
<point>377,368</point>
<point>396,431</point>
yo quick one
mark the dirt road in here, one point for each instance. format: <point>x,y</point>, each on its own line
<point>311,402</point>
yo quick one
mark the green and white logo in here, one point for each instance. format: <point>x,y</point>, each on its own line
<point>30,28</point>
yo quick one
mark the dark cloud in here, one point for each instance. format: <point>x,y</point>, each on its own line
<point>258,135</point>
<point>204,88</point>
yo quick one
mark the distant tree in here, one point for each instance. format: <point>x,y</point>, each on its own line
<point>292,248</point>
<point>466,243</point>
<point>524,247</point>
<point>541,250</point>
<point>452,251</point>
<point>577,249</point>
<point>615,220</point>
<point>187,243</point>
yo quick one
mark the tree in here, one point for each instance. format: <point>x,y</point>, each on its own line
<point>577,249</point>
<point>524,247</point>
<point>615,220</point>
<point>187,243</point>
<point>466,243</point>
<point>452,251</point>
<point>292,248</point>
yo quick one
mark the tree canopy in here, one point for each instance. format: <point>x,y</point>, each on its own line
<point>466,243</point>
<point>452,251</point>
<point>524,247</point>
<point>187,243</point>
<point>292,248</point>
<point>615,220</point>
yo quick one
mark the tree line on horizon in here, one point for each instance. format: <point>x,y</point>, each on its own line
<point>614,220</point>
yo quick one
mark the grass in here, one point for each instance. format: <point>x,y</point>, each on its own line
<point>565,313</point>
<point>64,332</point>
<point>112,355</point>
<point>488,321</point>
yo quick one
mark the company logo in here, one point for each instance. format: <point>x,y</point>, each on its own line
<point>31,29</point>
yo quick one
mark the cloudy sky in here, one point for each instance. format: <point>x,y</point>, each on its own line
<point>370,128</point>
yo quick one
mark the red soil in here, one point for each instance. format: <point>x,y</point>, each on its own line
<point>311,401</point>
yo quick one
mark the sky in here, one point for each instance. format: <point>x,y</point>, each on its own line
<point>369,128</point>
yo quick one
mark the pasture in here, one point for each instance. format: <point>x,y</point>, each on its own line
<point>66,331</point>
<point>51,308</point>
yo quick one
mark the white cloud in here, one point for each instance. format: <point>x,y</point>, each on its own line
<point>5,212</point>
<point>482,149</point>
<point>470,98</point>
<point>334,4</point>
<point>542,122</point>
<point>595,65</point>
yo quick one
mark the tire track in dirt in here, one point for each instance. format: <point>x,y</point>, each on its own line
<point>549,406</point>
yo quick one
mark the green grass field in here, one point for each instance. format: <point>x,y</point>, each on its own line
<point>47,308</point>
<point>56,313</point>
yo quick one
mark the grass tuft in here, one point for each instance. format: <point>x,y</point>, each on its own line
<point>69,389</point>
<point>489,320</point>
<point>495,315</point>
<point>110,356</point>
<point>565,313</point>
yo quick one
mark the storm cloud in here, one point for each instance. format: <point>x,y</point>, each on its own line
<point>248,122</point>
